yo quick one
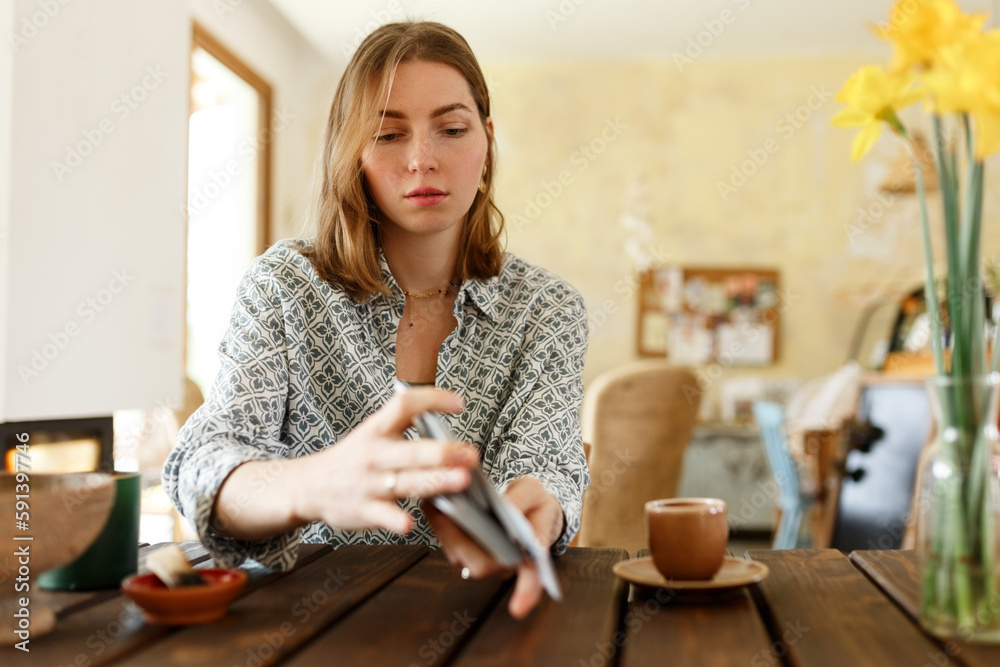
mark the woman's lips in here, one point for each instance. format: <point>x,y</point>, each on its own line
<point>426,196</point>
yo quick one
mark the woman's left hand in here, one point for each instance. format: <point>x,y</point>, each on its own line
<point>546,517</point>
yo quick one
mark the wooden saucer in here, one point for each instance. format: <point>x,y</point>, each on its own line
<point>734,573</point>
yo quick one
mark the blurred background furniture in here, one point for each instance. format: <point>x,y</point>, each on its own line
<point>891,425</point>
<point>726,460</point>
<point>638,420</point>
<point>877,491</point>
<point>792,502</point>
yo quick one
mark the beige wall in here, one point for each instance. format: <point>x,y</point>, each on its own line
<point>680,132</point>
<point>95,97</point>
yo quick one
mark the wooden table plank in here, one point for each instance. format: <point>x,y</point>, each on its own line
<point>897,573</point>
<point>822,611</point>
<point>93,635</point>
<point>715,633</point>
<point>429,611</point>
<point>267,625</point>
<point>556,633</point>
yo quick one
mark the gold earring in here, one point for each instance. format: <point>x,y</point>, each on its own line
<point>482,180</point>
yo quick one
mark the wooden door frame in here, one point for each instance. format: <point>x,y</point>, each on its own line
<point>201,38</point>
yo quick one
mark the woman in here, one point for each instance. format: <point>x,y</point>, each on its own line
<point>301,437</point>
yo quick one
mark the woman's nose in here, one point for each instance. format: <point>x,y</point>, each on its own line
<point>421,155</point>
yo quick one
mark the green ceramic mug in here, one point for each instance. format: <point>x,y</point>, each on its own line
<point>114,555</point>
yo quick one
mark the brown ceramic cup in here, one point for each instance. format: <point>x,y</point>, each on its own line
<point>687,536</point>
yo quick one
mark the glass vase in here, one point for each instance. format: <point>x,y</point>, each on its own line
<point>958,509</point>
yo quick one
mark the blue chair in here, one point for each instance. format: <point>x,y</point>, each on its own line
<point>771,422</point>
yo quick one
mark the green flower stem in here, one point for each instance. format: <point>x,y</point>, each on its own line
<point>971,287</point>
<point>930,290</point>
<point>949,196</point>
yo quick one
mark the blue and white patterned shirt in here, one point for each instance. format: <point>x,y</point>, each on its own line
<point>303,364</point>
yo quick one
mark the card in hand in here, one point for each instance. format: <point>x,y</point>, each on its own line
<point>486,516</point>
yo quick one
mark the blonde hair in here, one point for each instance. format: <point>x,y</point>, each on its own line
<point>346,218</point>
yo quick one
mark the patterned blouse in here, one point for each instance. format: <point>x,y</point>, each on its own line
<point>303,364</point>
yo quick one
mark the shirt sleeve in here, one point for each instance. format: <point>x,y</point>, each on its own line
<point>240,421</point>
<point>543,438</point>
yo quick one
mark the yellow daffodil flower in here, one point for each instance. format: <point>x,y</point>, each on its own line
<point>873,97</point>
<point>967,81</point>
<point>920,29</point>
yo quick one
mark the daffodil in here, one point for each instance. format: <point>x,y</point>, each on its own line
<point>920,29</point>
<point>873,98</point>
<point>958,68</point>
<point>966,81</point>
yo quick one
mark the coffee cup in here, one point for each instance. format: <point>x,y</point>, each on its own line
<point>687,536</point>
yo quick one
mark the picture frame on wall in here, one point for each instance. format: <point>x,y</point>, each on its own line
<point>699,315</point>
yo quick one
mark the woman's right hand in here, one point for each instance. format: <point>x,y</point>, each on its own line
<point>355,483</point>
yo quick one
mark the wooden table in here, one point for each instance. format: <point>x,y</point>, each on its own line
<point>407,606</point>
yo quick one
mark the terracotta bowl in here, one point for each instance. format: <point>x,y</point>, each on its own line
<point>65,514</point>
<point>188,605</point>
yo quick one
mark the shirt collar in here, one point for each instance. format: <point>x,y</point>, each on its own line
<point>485,294</point>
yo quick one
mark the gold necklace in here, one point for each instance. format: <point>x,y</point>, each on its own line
<point>426,295</point>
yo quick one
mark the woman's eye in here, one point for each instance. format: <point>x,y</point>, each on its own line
<point>455,131</point>
<point>387,137</point>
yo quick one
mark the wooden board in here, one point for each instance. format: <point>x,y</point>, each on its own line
<point>897,573</point>
<point>660,628</point>
<point>820,610</point>
<point>556,633</point>
<point>432,611</point>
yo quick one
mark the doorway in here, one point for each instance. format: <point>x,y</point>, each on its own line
<point>228,217</point>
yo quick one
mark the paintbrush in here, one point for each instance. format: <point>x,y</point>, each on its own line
<point>172,568</point>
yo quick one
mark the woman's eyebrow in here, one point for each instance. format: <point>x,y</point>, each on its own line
<point>457,106</point>
<point>440,111</point>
